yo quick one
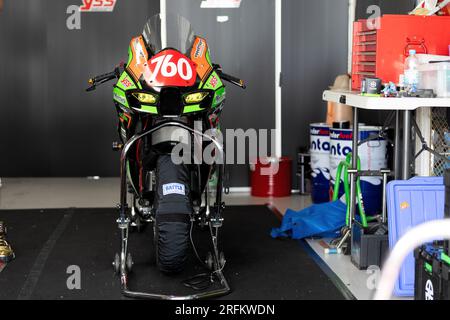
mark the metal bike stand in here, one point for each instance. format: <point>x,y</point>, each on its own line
<point>354,174</point>
<point>124,224</point>
<point>406,166</point>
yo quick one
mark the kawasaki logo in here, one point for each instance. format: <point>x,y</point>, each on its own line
<point>120,99</point>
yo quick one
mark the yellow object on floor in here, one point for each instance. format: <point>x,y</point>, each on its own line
<point>6,252</point>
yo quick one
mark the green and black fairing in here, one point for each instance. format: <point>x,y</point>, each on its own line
<point>170,105</point>
<point>124,98</point>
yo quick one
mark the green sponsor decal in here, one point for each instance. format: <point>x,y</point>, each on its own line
<point>124,117</point>
<point>120,97</point>
<point>219,96</point>
<point>213,82</point>
<point>149,109</point>
<point>445,258</point>
<point>125,82</point>
<point>130,55</point>
<point>194,108</point>
<point>428,267</point>
<point>208,57</point>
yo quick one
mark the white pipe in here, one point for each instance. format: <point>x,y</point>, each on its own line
<point>351,18</point>
<point>424,233</point>
<point>278,65</point>
<point>163,16</point>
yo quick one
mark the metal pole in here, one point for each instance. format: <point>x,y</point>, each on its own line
<point>397,146</point>
<point>163,17</point>
<point>384,204</point>
<point>353,177</point>
<point>351,19</point>
<point>302,181</point>
<point>406,169</point>
<point>278,75</point>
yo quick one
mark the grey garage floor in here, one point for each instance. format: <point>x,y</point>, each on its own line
<point>48,193</point>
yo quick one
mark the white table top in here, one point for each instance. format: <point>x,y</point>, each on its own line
<point>355,99</point>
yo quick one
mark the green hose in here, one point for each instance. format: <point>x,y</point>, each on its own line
<point>344,166</point>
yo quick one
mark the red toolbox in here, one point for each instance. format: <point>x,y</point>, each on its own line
<point>382,52</point>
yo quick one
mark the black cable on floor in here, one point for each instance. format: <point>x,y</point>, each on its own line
<point>201,281</point>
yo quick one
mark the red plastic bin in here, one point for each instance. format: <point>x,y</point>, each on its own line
<point>275,184</point>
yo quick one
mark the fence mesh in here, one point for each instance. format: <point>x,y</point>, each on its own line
<point>439,143</point>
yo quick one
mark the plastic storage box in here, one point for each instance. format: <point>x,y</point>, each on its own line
<point>436,76</point>
<point>368,248</point>
<point>411,203</point>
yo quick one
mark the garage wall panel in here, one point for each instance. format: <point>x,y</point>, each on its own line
<point>49,125</point>
<point>314,53</point>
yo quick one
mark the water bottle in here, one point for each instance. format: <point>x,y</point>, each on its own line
<point>412,70</point>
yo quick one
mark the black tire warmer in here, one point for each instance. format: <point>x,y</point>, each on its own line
<point>173,210</point>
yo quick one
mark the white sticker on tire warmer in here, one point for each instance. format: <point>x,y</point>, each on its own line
<point>174,188</point>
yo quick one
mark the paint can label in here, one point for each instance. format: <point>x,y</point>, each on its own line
<point>373,155</point>
<point>320,162</point>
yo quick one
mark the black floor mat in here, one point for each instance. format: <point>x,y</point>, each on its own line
<point>48,242</point>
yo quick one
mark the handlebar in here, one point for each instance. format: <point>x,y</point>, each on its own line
<point>103,77</point>
<point>93,82</point>
<point>233,80</point>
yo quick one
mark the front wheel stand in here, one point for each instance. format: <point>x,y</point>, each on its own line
<point>123,262</point>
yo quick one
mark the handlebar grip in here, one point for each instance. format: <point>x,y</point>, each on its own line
<point>103,77</point>
<point>236,81</point>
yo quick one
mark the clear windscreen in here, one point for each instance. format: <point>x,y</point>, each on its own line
<point>168,31</point>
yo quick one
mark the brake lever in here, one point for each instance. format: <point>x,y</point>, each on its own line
<point>106,77</point>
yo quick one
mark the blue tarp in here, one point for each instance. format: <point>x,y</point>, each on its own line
<point>322,220</point>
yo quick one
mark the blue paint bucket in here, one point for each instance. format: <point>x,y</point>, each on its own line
<point>373,155</point>
<point>320,162</point>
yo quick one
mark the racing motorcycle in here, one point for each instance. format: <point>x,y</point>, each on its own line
<point>168,94</point>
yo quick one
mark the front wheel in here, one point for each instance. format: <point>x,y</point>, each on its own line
<point>172,242</point>
<point>173,211</point>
